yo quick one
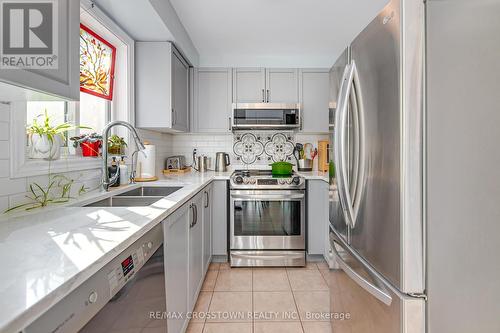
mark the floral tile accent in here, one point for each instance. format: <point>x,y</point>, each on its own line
<point>263,147</point>
<point>248,148</point>
<point>279,148</point>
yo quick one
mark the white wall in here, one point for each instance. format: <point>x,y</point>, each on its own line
<point>163,144</point>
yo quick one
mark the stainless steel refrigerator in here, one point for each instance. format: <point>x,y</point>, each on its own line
<point>410,88</point>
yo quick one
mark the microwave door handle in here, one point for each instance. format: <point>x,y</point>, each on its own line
<point>380,294</point>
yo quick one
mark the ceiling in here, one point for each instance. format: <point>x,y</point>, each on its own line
<point>137,17</point>
<point>270,33</point>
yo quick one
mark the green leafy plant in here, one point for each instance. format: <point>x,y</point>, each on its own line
<point>45,128</point>
<point>116,144</point>
<point>78,140</point>
<point>43,196</point>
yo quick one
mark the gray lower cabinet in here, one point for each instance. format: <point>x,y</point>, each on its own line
<point>314,98</point>
<point>196,272</point>
<point>219,218</point>
<point>187,238</point>
<point>212,98</point>
<point>176,243</point>
<point>162,87</point>
<point>61,82</point>
<point>207,226</point>
<point>317,217</point>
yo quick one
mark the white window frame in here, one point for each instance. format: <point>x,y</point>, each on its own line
<point>21,165</point>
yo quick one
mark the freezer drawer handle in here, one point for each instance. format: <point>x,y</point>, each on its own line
<point>378,293</point>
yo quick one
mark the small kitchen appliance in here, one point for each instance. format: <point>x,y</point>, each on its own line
<point>177,162</point>
<point>267,219</point>
<point>265,116</point>
<point>221,161</point>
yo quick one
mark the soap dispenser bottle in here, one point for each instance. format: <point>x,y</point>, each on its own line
<point>113,173</point>
<point>123,170</point>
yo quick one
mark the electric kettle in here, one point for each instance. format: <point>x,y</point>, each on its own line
<point>221,162</point>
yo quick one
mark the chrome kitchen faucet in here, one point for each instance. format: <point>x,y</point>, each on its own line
<point>105,133</point>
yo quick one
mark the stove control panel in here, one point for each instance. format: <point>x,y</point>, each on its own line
<point>248,181</point>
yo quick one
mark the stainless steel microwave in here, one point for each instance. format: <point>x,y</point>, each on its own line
<point>265,116</point>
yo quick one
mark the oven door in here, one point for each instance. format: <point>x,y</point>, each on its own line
<point>267,220</point>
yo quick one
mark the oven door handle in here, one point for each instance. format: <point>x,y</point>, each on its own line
<point>281,197</point>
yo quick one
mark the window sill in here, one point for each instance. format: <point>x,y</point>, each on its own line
<point>36,167</point>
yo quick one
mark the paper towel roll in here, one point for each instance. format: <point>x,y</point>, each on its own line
<point>146,162</point>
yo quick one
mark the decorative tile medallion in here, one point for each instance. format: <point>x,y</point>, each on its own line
<point>279,148</point>
<point>263,148</point>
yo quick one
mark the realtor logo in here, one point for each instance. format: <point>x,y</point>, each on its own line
<point>28,34</point>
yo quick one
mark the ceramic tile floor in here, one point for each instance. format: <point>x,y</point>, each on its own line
<point>280,300</point>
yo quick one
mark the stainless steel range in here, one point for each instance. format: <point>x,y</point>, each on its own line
<point>267,219</point>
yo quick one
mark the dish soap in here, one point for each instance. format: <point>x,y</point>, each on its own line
<point>112,172</point>
<point>123,169</point>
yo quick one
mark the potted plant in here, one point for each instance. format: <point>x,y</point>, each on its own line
<point>90,144</point>
<point>116,145</point>
<point>45,140</point>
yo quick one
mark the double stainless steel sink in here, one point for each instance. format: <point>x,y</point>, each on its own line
<point>137,197</point>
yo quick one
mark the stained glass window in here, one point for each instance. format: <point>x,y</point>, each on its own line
<point>97,64</point>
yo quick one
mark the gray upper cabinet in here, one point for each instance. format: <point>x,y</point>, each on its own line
<point>314,99</point>
<point>162,87</point>
<point>62,82</point>
<point>180,92</point>
<point>212,98</point>
<point>265,85</point>
<point>249,85</point>
<point>282,85</point>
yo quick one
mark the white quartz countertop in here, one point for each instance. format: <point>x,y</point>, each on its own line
<point>49,253</point>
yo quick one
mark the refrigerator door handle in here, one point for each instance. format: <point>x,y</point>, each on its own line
<point>381,294</point>
<point>339,144</point>
<point>359,155</point>
<point>350,92</point>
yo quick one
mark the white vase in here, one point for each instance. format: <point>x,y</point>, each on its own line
<point>40,147</point>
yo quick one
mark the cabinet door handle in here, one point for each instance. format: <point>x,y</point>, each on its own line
<point>192,216</point>
<point>207,200</point>
<point>230,127</point>
<point>195,215</point>
<point>268,95</point>
<point>263,96</point>
<point>173,116</point>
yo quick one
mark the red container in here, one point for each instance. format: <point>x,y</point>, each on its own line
<point>90,149</point>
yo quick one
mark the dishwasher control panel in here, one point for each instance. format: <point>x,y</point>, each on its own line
<point>72,312</point>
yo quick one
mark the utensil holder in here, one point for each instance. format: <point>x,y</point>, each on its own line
<point>305,165</point>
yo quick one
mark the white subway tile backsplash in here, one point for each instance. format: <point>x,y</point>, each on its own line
<point>4,112</point>
<point>4,150</point>
<point>4,168</point>
<point>4,204</point>
<point>10,186</point>
<point>4,131</point>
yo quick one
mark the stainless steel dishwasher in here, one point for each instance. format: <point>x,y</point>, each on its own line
<point>126,295</point>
